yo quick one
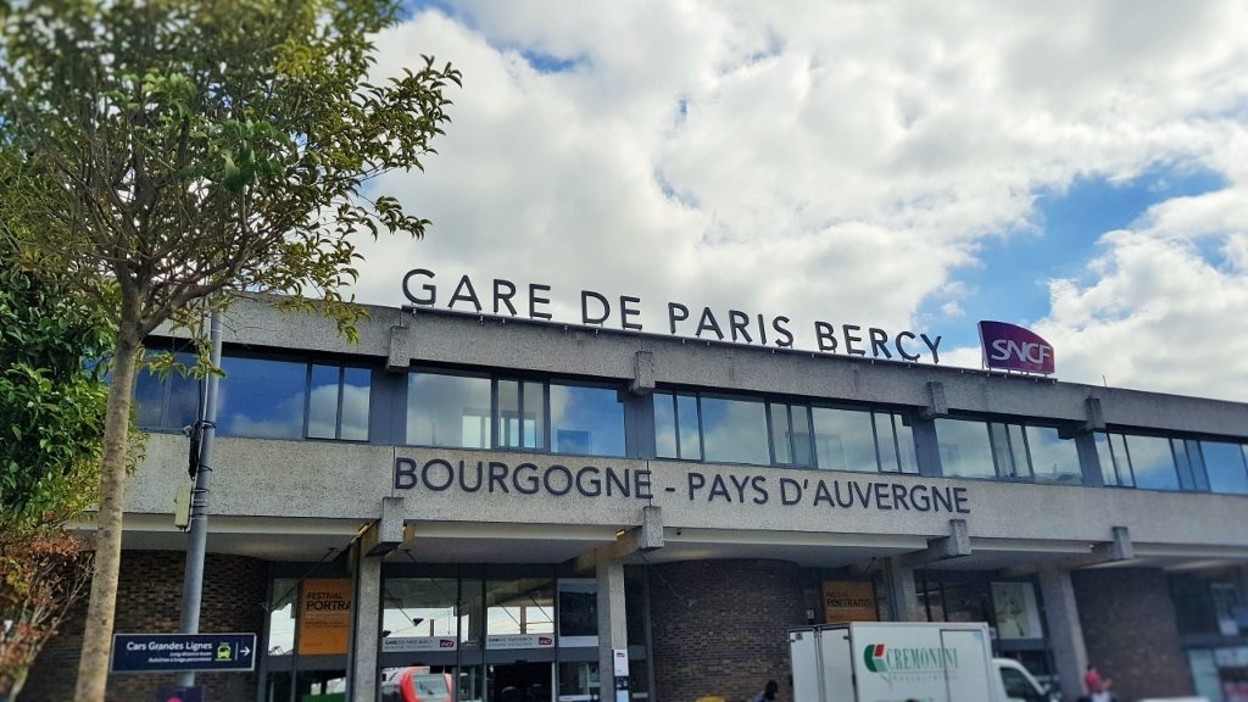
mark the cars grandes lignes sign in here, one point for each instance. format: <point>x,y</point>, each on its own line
<point>1011,347</point>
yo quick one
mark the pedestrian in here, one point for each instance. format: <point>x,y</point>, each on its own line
<point>769,692</point>
<point>1092,680</point>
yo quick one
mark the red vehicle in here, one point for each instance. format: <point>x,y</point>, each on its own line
<point>417,684</point>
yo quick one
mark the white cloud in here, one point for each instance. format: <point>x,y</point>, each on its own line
<point>835,160</point>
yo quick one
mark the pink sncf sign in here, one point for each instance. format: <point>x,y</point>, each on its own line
<point>1010,347</point>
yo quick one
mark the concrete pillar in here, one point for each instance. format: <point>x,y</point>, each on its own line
<point>903,599</point>
<point>612,623</point>
<point>1061,614</point>
<point>366,627</point>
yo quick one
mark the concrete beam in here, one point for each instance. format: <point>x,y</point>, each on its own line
<point>1095,414</point>
<point>387,533</point>
<point>398,358</point>
<point>942,548</point>
<point>647,536</point>
<point>1118,548</point>
<point>937,404</point>
<point>643,373</point>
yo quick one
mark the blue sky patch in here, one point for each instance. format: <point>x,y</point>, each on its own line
<point>1010,283</point>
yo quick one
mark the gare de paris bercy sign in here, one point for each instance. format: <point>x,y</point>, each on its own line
<point>504,297</point>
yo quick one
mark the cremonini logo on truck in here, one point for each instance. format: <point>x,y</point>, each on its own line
<point>880,659</point>
<point>873,656</point>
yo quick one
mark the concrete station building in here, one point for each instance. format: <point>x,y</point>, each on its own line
<point>509,501</point>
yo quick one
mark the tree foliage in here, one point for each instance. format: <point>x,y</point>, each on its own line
<point>42,573</point>
<point>52,397</point>
<point>184,150</point>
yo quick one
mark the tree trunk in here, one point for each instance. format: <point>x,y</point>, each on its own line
<point>97,639</point>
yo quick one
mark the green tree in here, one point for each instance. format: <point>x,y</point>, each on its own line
<point>52,400</point>
<point>191,149</point>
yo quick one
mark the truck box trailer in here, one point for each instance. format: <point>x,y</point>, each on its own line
<point>905,662</point>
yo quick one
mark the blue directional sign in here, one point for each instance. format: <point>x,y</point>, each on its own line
<point>164,653</point>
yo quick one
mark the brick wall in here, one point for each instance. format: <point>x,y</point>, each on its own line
<point>1130,631</point>
<point>720,627</point>
<point>149,599</point>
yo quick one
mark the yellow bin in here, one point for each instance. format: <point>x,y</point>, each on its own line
<point>709,699</point>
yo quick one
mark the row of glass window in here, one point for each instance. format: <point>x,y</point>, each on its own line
<point>701,427</point>
<point>263,398</point>
<point>283,399</point>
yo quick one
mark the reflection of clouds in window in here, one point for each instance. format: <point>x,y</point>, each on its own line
<point>1152,462</point>
<point>1053,458</point>
<point>586,420</point>
<point>664,426</point>
<point>262,398</point>
<point>843,440</point>
<point>735,431</point>
<point>285,421</point>
<point>964,449</point>
<point>323,412</point>
<point>447,410</point>
<point>1225,466</point>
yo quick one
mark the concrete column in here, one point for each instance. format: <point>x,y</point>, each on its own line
<point>1061,614</point>
<point>612,623</point>
<point>366,627</point>
<point>903,599</point>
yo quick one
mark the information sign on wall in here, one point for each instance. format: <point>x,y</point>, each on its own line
<point>325,616</point>
<point>849,601</point>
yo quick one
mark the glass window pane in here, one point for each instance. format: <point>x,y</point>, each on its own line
<point>419,608</point>
<point>735,431</point>
<point>1225,465</point>
<point>905,441</point>
<point>448,410</point>
<point>1122,460</point>
<point>780,433</point>
<point>1178,451</point>
<point>356,387</point>
<point>578,612</point>
<point>578,682</point>
<point>690,428</point>
<point>149,399</point>
<point>844,440</point>
<point>964,449</point>
<point>262,398</point>
<point>1200,478</point>
<point>323,403</point>
<point>1152,463</point>
<point>282,617</point>
<point>800,417</point>
<point>1106,458</point>
<point>171,402</point>
<point>534,415</point>
<point>1001,453</point>
<point>885,441</point>
<point>524,606</point>
<point>1018,451</point>
<point>1054,459</point>
<point>664,425</point>
<point>509,414</point>
<point>588,421</point>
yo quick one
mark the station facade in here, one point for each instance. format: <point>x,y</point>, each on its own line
<point>513,506</point>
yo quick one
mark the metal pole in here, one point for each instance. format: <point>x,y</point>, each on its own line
<point>197,540</point>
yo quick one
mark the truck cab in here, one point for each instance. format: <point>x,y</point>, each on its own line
<point>1019,684</point>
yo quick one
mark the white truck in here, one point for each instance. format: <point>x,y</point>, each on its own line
<point>906,662</point>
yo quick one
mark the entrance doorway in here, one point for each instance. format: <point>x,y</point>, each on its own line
<point>521,682</point>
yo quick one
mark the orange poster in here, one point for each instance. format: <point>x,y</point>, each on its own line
<point>848,601</point>
<point>325,616</point>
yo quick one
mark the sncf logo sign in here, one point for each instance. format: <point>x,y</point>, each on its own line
<point>1010,347</point>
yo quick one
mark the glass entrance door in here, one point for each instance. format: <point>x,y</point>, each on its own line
<point>521,682</point>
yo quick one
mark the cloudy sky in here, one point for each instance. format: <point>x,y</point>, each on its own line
<point>1080,168</point>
